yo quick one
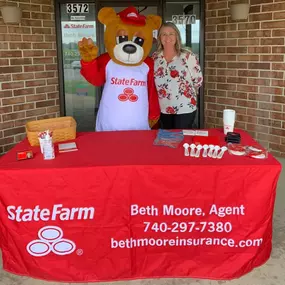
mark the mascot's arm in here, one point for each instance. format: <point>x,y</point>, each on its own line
<point>94,71</point>
<point>154,109</point>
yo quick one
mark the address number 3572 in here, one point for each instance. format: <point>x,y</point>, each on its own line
<point>77,8</point>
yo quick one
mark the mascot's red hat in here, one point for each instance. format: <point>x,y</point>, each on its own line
<point>131,16</point>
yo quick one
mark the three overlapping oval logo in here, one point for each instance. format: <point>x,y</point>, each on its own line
<point>50,239</point>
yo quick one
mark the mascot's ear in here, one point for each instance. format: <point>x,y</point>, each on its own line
<point>154,21</point>
<point>107,15</point>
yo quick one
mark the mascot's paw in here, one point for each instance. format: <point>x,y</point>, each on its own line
<point>152,123</point>
<point>87,49</point>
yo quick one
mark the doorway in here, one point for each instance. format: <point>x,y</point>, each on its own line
<point>75,20</point>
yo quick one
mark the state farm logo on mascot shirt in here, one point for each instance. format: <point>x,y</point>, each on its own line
<point>50,238</point>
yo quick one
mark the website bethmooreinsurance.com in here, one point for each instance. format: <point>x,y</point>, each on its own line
<point>226,242</point>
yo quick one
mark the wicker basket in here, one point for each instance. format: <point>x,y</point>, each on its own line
<point>63,128</point>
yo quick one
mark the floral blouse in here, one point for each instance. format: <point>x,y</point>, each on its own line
<point>177,82</point>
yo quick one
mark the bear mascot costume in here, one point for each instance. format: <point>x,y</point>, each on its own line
<point>129,99</point>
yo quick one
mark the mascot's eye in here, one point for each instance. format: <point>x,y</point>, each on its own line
<point>139,41</point>
<point>121,39</point>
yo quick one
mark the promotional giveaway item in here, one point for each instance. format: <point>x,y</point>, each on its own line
<point>46,144</point>
<point>229,117</point>
<point>168,138</point>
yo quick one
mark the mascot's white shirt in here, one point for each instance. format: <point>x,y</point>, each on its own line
<point>124,104</point>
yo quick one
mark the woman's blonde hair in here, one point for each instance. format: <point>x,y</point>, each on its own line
<point>178,45</point>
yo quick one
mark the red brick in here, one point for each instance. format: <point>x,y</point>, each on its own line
<point>278,99</point>
<point>272,41</point>
<point>20,61</point>
<point>14,131</point>
<point>279,83</point>
<point>13,100</point>
<point>271,90</point>
<point>259,50</point>
<point>6,93</point>
<point>31,23</point>
<point>258,113</point>
<point>226,57</point>
<point>33,53</point>
<point>248,42</point>
<point>239,80</point>
<point>13,116</point>
<point>259,97</point>
<point>35,112</point>
<point>260,34</point>
<point>20,45</point>
<point>13,85</point>
<point>216,50</point>
<point>237,95</point>
<point>5,109</point>
<point>224,12</point>
<point>5,77</point>
<point>259,65</point>
<point>260,17</point>
<point>48,9</point>
<point>42,60</point>
<point>237,34</point>
<point>18,30</point>
<point>272,25</point>
<point>23,76</point>
<point>246,103</point>
<point>247,88</point>
<point>228,42</point>
<point>41,16</point>
<point>251,57</point>
<point>272,58</point>
<point>48,24</point>
<point>236,49</point>
<point>227,72</point>
<point>278,66</point>
<point>38,97</point>
<point>22,107</point>
<point>10,38</point>
<point>227,27</point>
<point>239,65</point>
<point>217,6</point>
<point>26,91</point>
<point>278,33</point>
<point>45,89</point>
<point>248,73</point>
<point>41,31</point>
<point>215,21</point>
<point>31,83</point>
<point>10,53</point>
<point>277,116</point>
<point>226,86</point>
<point>271,106</point>
<point>258,81</point>
<point>249,26</point>
<point>34,68</point>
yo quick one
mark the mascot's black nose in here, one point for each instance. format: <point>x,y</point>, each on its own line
<point>129,48</point>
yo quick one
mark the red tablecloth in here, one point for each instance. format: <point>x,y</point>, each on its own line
<point>121,208</point>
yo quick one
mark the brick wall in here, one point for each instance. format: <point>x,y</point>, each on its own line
<point>28,70</point>
<point>245,69</point>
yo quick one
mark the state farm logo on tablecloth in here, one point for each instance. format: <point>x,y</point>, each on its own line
<point>50,239</point>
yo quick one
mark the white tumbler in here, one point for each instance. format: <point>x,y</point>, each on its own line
<point>229,117</point>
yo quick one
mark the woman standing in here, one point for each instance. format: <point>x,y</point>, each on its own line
<point>178,77</point>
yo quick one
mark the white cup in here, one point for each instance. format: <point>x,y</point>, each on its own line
<point>229,117</point>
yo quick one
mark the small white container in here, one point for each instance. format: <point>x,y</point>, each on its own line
<point>48,148</point>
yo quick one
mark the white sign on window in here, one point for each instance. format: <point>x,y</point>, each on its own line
<point>77,8</point>
<point>183,19</point>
